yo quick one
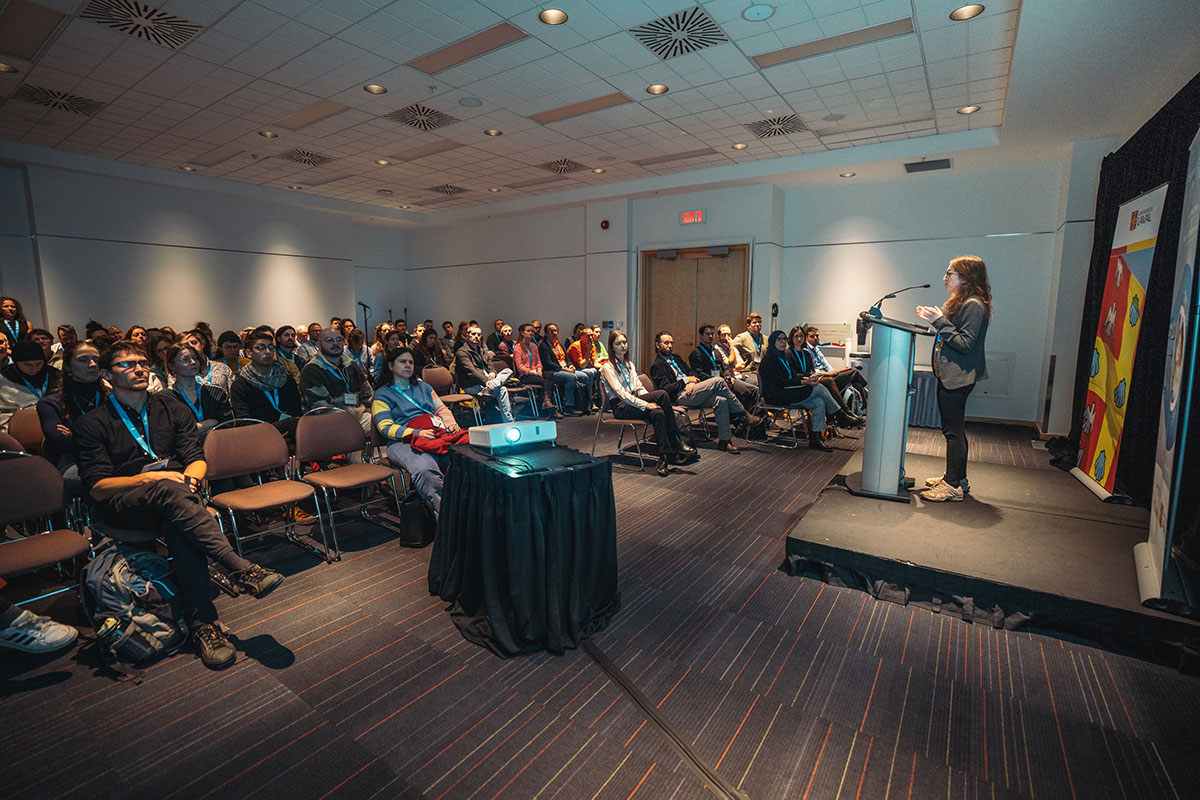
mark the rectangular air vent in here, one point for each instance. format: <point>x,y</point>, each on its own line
<point>421,117</point>
<point>927,166</point>
<point>60,100</point>
<point>680,33</point>
<point>142,21</point>
<point>306,157</point>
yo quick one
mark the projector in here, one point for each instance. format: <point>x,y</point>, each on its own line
<point>513,434</point>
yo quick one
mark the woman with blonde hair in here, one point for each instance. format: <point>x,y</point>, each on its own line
<point>958,362</point>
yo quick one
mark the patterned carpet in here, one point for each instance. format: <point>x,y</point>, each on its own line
<point>353,683</point>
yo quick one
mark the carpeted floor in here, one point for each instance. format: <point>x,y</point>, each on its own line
<point>353,683</point>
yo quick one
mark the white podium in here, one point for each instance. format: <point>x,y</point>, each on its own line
<point>892,344</point>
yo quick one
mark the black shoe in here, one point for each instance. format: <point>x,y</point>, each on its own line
<point>727,446</point>
<point>815,443</point>
<point>847,420</point>
<point>214,649</point>
<point>685,448</point>
<point>256,580</point>
<point>662,467</point>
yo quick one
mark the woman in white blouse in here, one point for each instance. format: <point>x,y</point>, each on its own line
<point>630,400</point>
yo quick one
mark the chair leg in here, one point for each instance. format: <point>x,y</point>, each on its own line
<point>337,549</point>
<point>637,444</point>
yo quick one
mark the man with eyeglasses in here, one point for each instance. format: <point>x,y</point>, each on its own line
<point>334,379</point>
<point>264,390</point>
<point>140,459</point>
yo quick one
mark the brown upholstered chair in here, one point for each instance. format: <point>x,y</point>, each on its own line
<point>233,450</point>
<point>9,444</point>
<point>31,492</point>
<point>648,385</point>
<point>26,428</point>
<point>324,433</point>
<point>605,417</point>
<point>442,383</point>
<point>526,393</point>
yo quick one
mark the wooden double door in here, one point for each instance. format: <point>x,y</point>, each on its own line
<point>693,288</point>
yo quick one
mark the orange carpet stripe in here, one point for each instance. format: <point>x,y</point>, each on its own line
<point>535,758</point>
<point>818,764</point>
<point>639,783</point>
<point>348,779</point>
<point>871,696</point>
<point>735,733</point>
<point>461,736</point>
<point>409,703</point>
<point>354,664</point>
<point>863,776</point>
<point>1054,708</point>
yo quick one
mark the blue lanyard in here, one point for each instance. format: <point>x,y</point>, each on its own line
<point>142,441</point>
<point>627,380</point>
<point>678,372</point>
<point>706,352</point>
<point>15,333</point>
<point>34,389</point>
<point>321,361</point>
<point>273,398</point>
<point>757,342</point>
<point>410,399</point>
<point>195,408</point>
<point>786,366</point>
<point>208,375</point>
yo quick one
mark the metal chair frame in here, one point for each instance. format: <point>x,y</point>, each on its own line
<point>805,417</point>
<point>623,423</point>
<point>453,396</point>
<point>702,417</point>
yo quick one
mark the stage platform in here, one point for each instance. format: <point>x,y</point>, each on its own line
<point>1027,549</point>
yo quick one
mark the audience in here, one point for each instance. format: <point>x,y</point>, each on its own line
<point>380,374</point>
<point>262,390</point>
<point>209,404</point>
<point>847,376</point>
<point>427,352</point>
<point>212,372</point>
<point>784,383</point>
<point>710,358</point>
<point>306,349</point>
<point>798,342</point>
<point>575,386</point>
<point>493,339</point>
<point>229,346</point>
<point>528,364</point>
<point>78,391</point>
<point>750,344</point>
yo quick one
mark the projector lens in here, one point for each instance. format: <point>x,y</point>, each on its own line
<point>512,434</point>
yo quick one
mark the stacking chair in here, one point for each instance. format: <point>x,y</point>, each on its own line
<point>791,441</point>
<point>702,418</point>
<point>234,449</point>
<point>442,382</point>
<point>10,445</point>
<point>605,417</point>
<point>324,433</point>
<point>26,428</point>
<point>31,492</point>
<point>529,394</point>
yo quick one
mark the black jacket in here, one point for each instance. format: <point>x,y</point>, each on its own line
<point>550,362</point>
<point>781,379</point>
<point>469,367</point>
<point>703,360</point>
<point>251,403</point>
<point>665,378</point>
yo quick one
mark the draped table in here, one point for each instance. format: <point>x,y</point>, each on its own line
<point>526,548</point>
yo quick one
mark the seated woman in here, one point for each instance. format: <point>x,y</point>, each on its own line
<point>505,345</point>
<point>798,339</point>
<point>417,425</point>
<point>79,391</point>
<point>208,403</point>
<point>26,379</point>
<point>783,383</point>
<point>630,400</point>
<point>381,374</point>
<point>427,352</point>
<point>212,372</point>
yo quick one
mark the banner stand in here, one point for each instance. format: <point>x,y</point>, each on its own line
<point>1104,494</point>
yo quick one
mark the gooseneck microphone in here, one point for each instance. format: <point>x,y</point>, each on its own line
<point>876,310</point>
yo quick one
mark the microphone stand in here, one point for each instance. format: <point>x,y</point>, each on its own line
<point>876,310</point>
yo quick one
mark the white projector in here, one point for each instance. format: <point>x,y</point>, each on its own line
<point>513,434</point>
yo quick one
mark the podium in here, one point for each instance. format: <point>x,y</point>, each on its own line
<point>892,346</point>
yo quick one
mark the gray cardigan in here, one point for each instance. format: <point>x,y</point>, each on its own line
<point>958,357</point>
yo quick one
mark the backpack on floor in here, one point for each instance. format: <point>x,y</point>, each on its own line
<point>853,400</point>
<point>133,604</point>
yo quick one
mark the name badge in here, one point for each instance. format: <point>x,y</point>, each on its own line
<point>155,466</point>
<point>715,372</point>
<point>350,399</point>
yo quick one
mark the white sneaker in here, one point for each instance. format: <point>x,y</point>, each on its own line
<point>36,634</point>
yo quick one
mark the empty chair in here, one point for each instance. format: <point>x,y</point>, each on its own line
<point>26,428</point>
<point>442,382</point>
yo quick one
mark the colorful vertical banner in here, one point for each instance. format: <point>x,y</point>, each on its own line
<point>1117,336</point>
<point>1178,383</point>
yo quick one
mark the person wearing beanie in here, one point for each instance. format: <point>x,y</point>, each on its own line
<point>26,379</point>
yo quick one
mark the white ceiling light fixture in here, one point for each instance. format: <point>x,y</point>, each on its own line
<point>295,187</point>
<point>375,88</point>
<point>758,12</point>
<point>657,88</point>
<point>383,162</point>
<point>406,206</point>
<point>268,134</point>
<point>553,16</point>
<point>493,132</point>
<point>8,68</point>
<point>470,102</point>
<point>494,189</point>
<point>968,109</point>
<point>966,12</point>
<point>187,168</point>
<point>599,170</point>
<point>739,146</point>
<point>847,174</point>
<point>384,192</point>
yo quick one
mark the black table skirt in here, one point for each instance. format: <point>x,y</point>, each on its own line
<point>527,561</point>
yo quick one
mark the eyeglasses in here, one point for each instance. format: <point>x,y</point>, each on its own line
<point>141,363</point>
<point>263,347</point>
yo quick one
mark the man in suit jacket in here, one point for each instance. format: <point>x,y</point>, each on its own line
<point>673,376</point>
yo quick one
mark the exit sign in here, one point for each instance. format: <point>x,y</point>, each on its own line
<point>689,217</point>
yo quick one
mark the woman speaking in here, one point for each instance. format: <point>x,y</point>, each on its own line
<point>958,362</point>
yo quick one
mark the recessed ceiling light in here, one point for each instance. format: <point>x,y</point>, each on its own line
<point>740,146</point>
<point>295,186</point>
<point>406,206</point>
<point>966,12</point>
<point>847,174</point>
<point>968,109</point>
<point>598,170</point>
<point>375,88</point>
<point>384,192</point>
<point>493,189</point>
<point>470,102</point>
<point>657,88</point>
<point>8,68</point>
<point>268,134</point>
<point>758,12</point>
<point>493,132</point>
<point>552,16</point>
<point>187,168</point>
<point>383,162</point>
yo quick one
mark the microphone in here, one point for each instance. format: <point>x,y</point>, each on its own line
<point>364,305</point>
<point>875,309</point>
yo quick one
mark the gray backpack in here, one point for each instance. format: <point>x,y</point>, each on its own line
<point>133,604</point>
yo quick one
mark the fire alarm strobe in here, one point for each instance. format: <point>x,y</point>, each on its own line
<point>513,434</point>
<point>603,224</point>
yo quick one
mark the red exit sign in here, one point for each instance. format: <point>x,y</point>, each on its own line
<point>689,217</point>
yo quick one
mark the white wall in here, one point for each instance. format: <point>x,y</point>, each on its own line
<point>18,271</point>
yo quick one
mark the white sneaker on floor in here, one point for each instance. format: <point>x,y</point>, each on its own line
<point>36,634</point>
<point>943,492</point>
<point>965,485</point>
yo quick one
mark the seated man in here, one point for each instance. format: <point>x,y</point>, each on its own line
<point>417,425</point>
<point>333,378</point>
<point>751,344</point>
<point>474,375</point>
<point>493,339</point>
<point>709,359</point>
<point>575,385</point>
<point>264,391</point>
<point>583,351</point>
<point>670,374</point>
<point>848,376</point>
<point>229,345</point>
<point>306,349</point>
<point>140,460</point>
<point>598,341</point>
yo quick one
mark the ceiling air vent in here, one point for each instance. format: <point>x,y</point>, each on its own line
<point>680,33</point>
<point>776,126</point>
<point>562,166</point>
<point>927,166</point>
<point>306,157</point>
<point>142,21</point>
<point>60,100</point>
<point>448,189</point>
<point>421,117</point>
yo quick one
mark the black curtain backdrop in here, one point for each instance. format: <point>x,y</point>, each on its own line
<point>1156,154</point>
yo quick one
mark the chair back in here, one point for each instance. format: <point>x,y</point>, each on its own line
<point>439,379</point>
<point>10,444</point>
<point>647,384</point>
<point>26,428</point>
<point>244,450</point>
<point>503,358</point>
<point>30,488</point>
<point>320,437</point>
<point>499,364</point>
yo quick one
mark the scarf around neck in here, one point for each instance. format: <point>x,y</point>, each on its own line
<point>267,379</point>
